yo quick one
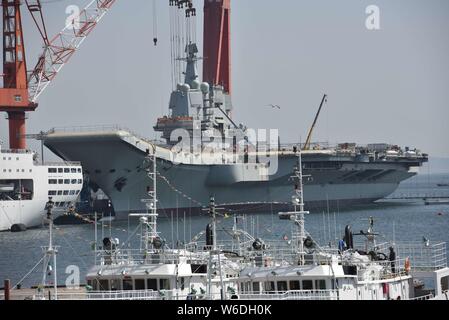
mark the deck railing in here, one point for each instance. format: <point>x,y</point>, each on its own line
<point>292,295</point>
<point>424,257</point>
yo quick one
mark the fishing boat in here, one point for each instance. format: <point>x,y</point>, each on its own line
<point>249,268</point>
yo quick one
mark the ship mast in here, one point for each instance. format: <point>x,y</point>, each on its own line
<point>50,252</point>
<point>298,217</point>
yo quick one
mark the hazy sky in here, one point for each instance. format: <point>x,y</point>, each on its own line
<point>384,86</point>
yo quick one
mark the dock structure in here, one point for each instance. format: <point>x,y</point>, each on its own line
<point>44,294</point>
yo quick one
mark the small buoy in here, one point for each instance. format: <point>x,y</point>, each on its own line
<point>18,228</point>
<point>155,41</point>
<point>440,214</point>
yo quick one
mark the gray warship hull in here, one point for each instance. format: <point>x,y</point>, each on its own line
<point>113,161</point>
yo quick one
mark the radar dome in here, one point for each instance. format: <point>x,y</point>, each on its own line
<point>195,84</point>
<point>185,87</point>
<point>205,88</point>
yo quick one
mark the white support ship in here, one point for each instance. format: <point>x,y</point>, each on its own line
<point>26,186</point>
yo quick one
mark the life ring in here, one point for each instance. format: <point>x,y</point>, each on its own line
<point>407,266</point>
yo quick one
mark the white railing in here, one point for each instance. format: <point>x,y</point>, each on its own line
<point>292,295</point>
<point>424,257</point>
<point>98,128</point>
<point>136,295</point>
<point>139,257</point>
<point>423,298</point>
<point>16,151</point>
<point>103,129</point>
<point>61,164</point>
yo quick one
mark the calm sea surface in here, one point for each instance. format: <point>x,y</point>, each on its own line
<point>401,220</point>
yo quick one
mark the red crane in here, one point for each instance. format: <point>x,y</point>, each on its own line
<point>14,96</point>
<point>19,92</point>
<point>217,43</point>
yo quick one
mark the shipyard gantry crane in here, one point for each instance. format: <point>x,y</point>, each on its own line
<point>20,90</point>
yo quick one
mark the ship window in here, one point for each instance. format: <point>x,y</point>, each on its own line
<point>164,284</point>
<point>152,284</point>
<point>270,286</point>
<point>139,284</point>
<point>282,286</point>
<point>51,193</point>
<point>66,170</point>
<point>79,170</point>
<point>183,283</point>
<point>52,170</point>
<point>66,192</point>
<point>77,192</point>
<point>307,285</point>
<point>67,181</point>
<point>72,192</point>
<point>60,170</point>
<point>445,283</point>
<point>73,170</point>
<point>80,181</point>
<point>127,285</point>
<point>294,285</point>
<point>74,181</point>
<point>115,285</point>
<point>14,190</point>
<point>61,181</point>
<point>198,268</point>
<point>256,287</point>
<point>104,285</point>
<point>320,284</point>
<point>4,170</point>
<point>95,285</point>
<point>23,170</point>
<point>60,193</point>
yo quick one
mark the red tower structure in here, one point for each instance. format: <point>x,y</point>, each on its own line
<point>20,92</point>
<point>14,96</point>
<point>217,43</point>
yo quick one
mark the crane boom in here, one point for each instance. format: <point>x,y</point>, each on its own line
<point>60,49</point>
<point>309,136</point>
<point>19,92</point>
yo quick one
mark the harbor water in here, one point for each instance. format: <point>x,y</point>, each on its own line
<point>398,220</point>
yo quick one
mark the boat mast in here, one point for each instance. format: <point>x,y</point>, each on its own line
<point>149,220</point>
<point>50,252</point>
<point>298,217</point>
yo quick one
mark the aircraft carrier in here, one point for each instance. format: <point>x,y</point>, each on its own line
<point>205,153</point>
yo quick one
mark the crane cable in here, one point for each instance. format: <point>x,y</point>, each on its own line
<point>155,23</point>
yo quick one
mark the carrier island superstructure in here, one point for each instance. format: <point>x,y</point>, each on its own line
<point>239,171</point>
